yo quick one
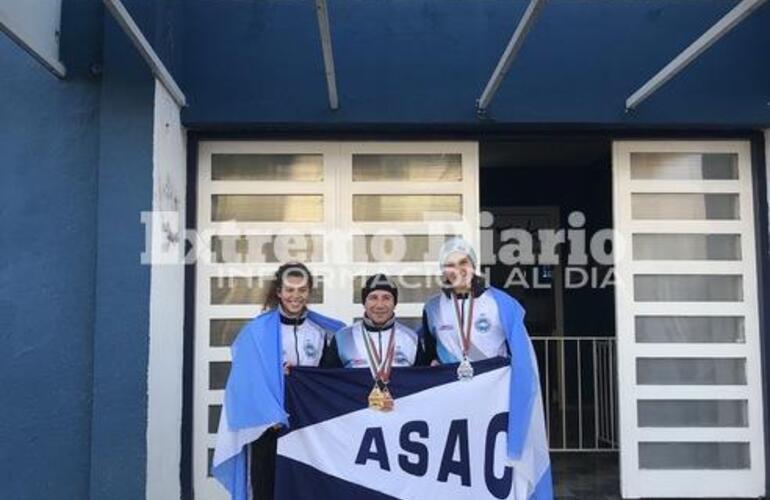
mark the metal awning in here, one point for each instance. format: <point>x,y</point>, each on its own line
<point>737,14</point>
<point>157,67</point>
<point>322,13</point>
<point>510,53</point>
<point>688,55</point>
<point>680,62</point>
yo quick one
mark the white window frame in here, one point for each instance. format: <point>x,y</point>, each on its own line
<point>338,189</point>
<point>468,187</point>
<point>637,483</point>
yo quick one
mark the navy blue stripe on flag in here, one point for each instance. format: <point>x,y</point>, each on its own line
<point>314,395</point>
<point>316,484</point>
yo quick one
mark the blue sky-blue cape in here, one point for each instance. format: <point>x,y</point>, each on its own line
<point>254,396</point>
<point>526,424</point>
<point>523,377</point>
<point>527,444</point>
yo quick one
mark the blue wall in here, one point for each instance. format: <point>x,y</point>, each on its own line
<point>258,63</point>
<point>48,167</point>
<point>74,299</point>
<point>122,289</point>
<point>119,415</point>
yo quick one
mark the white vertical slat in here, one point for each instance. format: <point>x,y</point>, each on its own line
<point>636,482</point>
<point>204,486</point>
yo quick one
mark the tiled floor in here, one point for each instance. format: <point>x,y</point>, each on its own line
<point>586,476</point>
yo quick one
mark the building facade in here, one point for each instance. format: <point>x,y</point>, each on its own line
<point>228,149</point>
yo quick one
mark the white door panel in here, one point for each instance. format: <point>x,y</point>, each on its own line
<point>690,387</point>
<point>340,195</point>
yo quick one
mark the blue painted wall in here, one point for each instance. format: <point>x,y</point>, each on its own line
<point>125,189</point>
<point>48,168</point>
<point>258,63</point>
<point>76,172</point>
<point>119,414</point>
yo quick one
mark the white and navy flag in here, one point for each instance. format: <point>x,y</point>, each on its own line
<point>445,438</point>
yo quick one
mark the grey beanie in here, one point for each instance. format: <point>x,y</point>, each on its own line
<point>457,245</point>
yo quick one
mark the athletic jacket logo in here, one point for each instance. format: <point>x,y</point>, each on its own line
<point>400,358</point>
<point>310,350</point>
<point>482,324</point>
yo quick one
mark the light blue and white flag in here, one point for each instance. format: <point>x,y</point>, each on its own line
<point>254,397</point>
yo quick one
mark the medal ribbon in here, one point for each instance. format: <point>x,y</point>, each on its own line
<point>464,331</point>
<point>380,366</point>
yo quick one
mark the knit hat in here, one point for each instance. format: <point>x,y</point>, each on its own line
<point>379,282</point>
<point>456,245</point>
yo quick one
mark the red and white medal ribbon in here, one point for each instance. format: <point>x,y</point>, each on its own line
<point>380,365</point>
<point>464,330</point>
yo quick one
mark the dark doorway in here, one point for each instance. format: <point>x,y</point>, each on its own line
<point>560,185</point>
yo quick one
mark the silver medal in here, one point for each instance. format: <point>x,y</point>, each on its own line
<point>465,370</point>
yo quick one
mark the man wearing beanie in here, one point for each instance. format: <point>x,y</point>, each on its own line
<point>462,323</point>
<point>369,339</point>
<point>466,323</point>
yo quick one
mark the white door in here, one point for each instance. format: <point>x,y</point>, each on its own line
<point>339,207</point>
<point>690,387</point>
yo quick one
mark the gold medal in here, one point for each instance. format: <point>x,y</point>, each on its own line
<point>380,397</point>
<point>387,400</point>
<point>375,398</point>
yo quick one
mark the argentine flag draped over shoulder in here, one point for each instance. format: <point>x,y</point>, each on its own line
<point>527,440</point>
<point>254,397</point>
